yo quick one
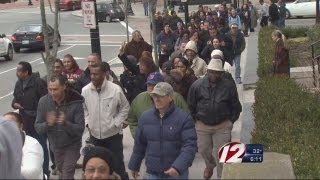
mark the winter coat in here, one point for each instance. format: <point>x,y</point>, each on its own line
<point>199,66</point>
<point>206,54</point>
<point>212,105</point>
<point>253,16</point>
<point>136,48</point>
<point>68,134</point>
<point>105,111</point>
<point>273,12</point>
<point>10,150</point>
<point>235,48</point>
<point>281,59</point>
<point>32,159</point>
<point>165,142</point>
<point>28,98</point>
<point>187,80</point>
<point>144,102</point>
<point>173,21</point>
<point>168,39</point>
<point>73,75</point>
<point>83,80</point>
<point>138,80</point>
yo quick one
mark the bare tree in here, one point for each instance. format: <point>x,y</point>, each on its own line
<point>152,11</point>
<point>50,54</point>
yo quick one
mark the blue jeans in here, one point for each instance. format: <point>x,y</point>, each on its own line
<point>184,175</point>
<point>282,22</point>
<point>237,73</point>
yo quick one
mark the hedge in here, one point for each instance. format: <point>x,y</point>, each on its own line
<point>5,1</point>
<point>286,115</point>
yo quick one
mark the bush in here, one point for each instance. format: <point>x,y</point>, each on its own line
<point>294,32</point>
<point>286,115</point>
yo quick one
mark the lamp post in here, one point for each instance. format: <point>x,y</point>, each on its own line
<point>130,11</point>
<point>94,34</point>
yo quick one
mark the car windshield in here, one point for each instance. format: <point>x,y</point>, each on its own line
<point>35,28</point>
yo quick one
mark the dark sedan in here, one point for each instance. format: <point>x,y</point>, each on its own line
<point>109,11</point>
<point>31,36</point>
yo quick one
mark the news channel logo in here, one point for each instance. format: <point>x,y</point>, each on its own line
<point>236,152</point>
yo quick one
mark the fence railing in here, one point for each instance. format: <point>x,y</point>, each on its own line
<point>315,50</point>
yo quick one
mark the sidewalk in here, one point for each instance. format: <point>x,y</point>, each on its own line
<point>22,4</point>
<point>242,128</point>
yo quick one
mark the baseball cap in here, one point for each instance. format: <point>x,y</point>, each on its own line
<point>154,78</point>
<point>163,89</point>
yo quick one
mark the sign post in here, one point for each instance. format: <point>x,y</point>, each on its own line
<point>89,9</point>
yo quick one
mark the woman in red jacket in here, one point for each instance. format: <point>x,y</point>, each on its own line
<point>71,68</point>
<point>281,55</point>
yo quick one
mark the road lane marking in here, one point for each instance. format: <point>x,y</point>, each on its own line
<point>6,95</point>
<point>9,94</point>
<point>129,28</point>
<point>36,60</point>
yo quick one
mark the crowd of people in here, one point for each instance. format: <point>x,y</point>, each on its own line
<point>185,105</point>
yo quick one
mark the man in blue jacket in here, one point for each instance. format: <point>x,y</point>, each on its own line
<point>170,135</point>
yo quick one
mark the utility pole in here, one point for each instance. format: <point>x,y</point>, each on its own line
<point>186,11</point>
<point>152,11</point>
<point>94,34</point>
<point>126,17</point>
<point>318,12</point>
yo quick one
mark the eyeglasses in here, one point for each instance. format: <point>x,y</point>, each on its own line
<point>93,170</point>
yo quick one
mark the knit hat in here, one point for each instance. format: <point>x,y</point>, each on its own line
<point>154,78</point>
<point>192,46</point>
<point>132,59</point>
<point>216,53</point>
<point>99,152</point>
<point>215,65</point>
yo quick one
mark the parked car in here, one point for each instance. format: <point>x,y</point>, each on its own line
<point>6,48</point>
<point>31,36</point>
<point>70,4</point>
<point>301,8</point>
<point>109,11</point>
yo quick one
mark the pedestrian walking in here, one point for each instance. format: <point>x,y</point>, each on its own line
<point>198,65</point>
<point>137,45</point>
<point>144,102</point>
<point>264,13</point>
<point>245,19</point>
<point>235,43</point>
<point>165,137</point>
<point>71,69</point>
<point>214,105</point>
<point>281,65</point>
<point>106,110</point>
<point>27,92</point>
<point>60,116</point>
<point>32,152</point>
<point>145,7</point>
<point>274,14</point>
<point>253,16</point>
<point>282,13</point>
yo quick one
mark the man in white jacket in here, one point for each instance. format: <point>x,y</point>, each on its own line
<point>106,109</point>
<point>32,152</point>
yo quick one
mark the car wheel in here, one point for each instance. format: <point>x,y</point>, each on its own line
<point>16,49</point>
<point>108,18</point>
<point>121,19</point>
<point>288,15</point>
<point>9,55</point>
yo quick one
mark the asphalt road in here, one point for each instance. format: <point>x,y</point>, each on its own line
<point>75,41</point>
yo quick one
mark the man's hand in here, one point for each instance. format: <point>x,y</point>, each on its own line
<point>51,118</point>
<point>172,172</point>
<point>61,118</point>
<point>17,106</point>
<point>121,50</point>
<point>135,174</point>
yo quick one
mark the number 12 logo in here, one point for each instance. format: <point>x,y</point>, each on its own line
<point>232,152</point>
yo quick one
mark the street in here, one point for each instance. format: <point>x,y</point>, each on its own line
<point>76,41</point>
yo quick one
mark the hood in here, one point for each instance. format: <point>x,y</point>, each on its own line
<point>192,46</point>
<point>73,96</point>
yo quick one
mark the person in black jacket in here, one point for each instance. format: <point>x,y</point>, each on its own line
<point>28,90</point>
<point>274,14</point>
<point>214,105</point>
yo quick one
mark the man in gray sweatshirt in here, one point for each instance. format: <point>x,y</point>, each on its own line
<point>10,150</point>
<point>60,114</point>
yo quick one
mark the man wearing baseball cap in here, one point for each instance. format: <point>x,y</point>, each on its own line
<point>170,136</point>
<point>144,101</point>
<point>214,105</point>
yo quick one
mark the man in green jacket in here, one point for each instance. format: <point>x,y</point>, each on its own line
<point>144,101</point>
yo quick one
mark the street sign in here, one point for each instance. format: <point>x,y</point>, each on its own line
<point>183,1</point>
<point>89,15</point>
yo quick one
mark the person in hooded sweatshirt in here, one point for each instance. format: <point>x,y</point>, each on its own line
<point>10,150</point>
<point>60,115</point>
